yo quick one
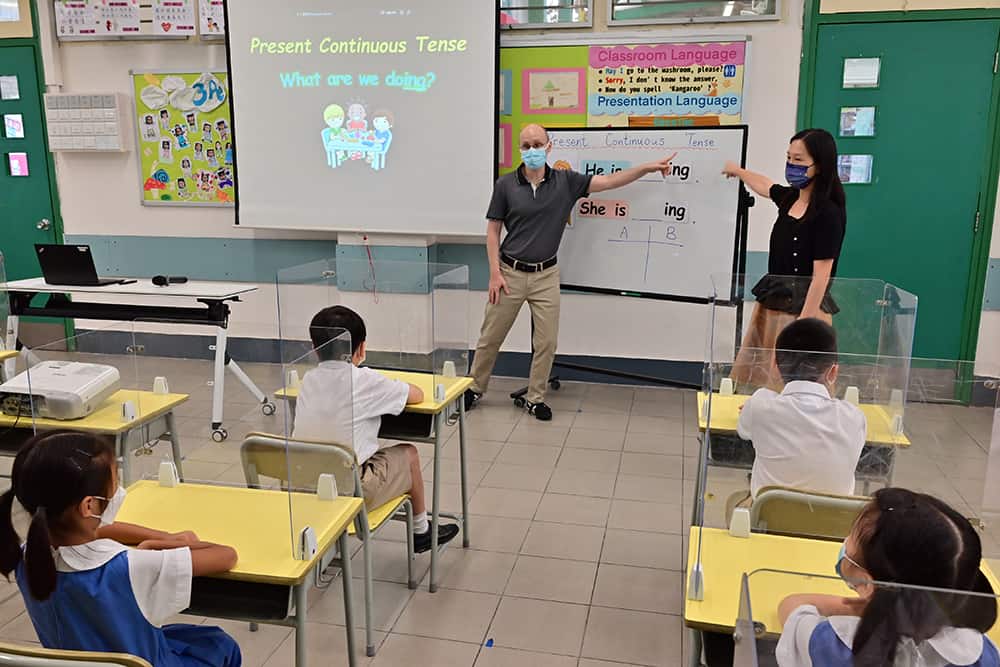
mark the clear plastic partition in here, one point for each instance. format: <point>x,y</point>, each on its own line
<point>81,382</point>
<point>315,451</point>
<point>790,476</point>
<point>7,343</point>
<point>872,318</point>
<point>878,606</point>
<point>416,314</point>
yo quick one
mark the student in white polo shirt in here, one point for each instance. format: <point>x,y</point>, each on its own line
<point>322,414</point>
<point>804,438</point>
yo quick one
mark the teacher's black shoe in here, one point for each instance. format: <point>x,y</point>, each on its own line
<point>446,533</point>
<point>471,399</point>
<point>541,411</point>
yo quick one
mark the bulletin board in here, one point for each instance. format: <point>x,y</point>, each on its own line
<point>184,138</point>
<point>675,84</point>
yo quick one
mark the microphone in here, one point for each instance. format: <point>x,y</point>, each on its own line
<point>163,281</point>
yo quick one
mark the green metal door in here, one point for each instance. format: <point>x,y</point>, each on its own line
<point>914,224</point>
<point>25,201</point>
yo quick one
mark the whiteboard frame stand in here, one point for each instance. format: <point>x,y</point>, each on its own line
<point>735,299</point>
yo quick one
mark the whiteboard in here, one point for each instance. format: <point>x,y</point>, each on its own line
<point>658,237</point>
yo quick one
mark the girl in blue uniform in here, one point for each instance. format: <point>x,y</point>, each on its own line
<point>87,592</point>
<point>906,538</point>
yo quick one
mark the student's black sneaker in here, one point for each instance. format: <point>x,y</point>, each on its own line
<point>446,533</point>
<point>471,399</point>
<point>541,411</point>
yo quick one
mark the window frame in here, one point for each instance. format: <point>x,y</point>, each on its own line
<point>589,23</point>
<point>776,16</point>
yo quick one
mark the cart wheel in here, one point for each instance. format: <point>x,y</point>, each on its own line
<point>268,408</point>
<point>519,402</point>
<point>220,434</point>
<point>555,384</point>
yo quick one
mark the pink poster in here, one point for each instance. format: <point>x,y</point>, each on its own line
<point>18,163</point>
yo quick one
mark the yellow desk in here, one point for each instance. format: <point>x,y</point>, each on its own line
<point>435,411</point>
<point>726,414</point>
<point>724,560</point>
<point>259,524</point>
<point>107,420</point>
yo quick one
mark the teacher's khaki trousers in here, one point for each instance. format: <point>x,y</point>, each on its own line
<point>541,291</point>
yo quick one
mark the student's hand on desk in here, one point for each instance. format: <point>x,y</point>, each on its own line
<point>497,283</point>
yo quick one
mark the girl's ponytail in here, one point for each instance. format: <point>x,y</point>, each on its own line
<point>39,564</point>
<point>10,543</point>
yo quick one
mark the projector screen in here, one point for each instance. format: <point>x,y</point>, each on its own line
<point>352,115</point>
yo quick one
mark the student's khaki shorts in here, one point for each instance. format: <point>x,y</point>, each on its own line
<point>386,475</point>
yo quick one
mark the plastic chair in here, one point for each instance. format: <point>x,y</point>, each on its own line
<point>22,655</point>
<point>298,465</point>
<point>786,511</point>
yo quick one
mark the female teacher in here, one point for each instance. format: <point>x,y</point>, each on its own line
<point>803,252</point>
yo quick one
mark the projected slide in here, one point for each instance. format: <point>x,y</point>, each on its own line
<point>363,116</point>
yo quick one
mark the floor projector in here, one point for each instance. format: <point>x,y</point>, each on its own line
<point>59,389</point>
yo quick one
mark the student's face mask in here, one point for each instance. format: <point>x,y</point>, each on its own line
<point>841,557</point>
<point>107,517</point>
<point>533,158</point>
<point>795,174</point>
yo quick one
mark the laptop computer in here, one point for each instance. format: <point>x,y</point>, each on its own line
<point>70,265</point>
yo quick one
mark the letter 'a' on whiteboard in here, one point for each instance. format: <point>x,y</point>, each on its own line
<point>862,72</point>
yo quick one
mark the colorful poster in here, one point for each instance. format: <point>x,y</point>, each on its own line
<point>672,81</point>
<point>173,17</point>
<point>212,15</point>
<point>550,90</point>
<point>96,18</point>
<point>184,138</point>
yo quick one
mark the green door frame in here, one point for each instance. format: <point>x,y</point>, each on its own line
<point>812,21</point>
<point>35,43</point>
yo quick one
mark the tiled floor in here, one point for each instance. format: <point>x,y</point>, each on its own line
<point>578,528</point>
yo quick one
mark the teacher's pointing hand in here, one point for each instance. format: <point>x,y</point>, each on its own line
<point>662,166</point>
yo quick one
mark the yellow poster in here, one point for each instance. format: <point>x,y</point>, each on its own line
<point>666,84</point>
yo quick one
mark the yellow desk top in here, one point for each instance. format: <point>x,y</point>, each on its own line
<point>726,415</point>
<point>724,559</point>
<point>256,522</point>
<point>108,417</point>
<point>454,387</point>
<point>7,354</point>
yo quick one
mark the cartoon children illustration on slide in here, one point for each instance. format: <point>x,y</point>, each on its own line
<point>354,139</point>
<point>382,121</point>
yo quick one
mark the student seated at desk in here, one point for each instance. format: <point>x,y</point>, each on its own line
<point>321,415</point>
<point>86,593</point>
<point>803,437</point>
<point>905,538</point>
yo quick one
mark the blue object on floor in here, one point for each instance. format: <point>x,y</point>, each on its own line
<point>489,643</point>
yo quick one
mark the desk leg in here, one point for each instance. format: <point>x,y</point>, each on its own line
<point>461,456</point>
<point>345,574</point>
<point>696,648</point>
<point>246,381</point>
<point>175,442</point>
<point>121,451</point>
<point>436,498</point>
<point>301,602</point>
<point>219,379</point>
<point>10,365</point>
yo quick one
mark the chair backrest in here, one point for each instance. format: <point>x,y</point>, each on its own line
<point>297,463</point>
<point>787,511</point>
<point>22,655</point>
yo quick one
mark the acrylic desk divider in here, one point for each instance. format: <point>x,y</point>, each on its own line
<point>7,343</point>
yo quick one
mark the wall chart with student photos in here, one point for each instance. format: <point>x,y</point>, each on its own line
<point>184,138</point>
<point>89,20</point>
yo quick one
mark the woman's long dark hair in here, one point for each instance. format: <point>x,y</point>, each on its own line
<point>915,539</point>
<point>827,188</point>
<point>52,473</point>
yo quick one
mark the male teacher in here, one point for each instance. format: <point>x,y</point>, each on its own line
<point>533,205</point>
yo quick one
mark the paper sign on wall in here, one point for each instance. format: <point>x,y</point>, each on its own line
<point>17,163</point>
<point>90,18</point>
<point>185,141</point>
<point>689,80</point>
<point>173,17</point>
<point>8,88</point>
<point>13,126</point>
<point>212,15</point>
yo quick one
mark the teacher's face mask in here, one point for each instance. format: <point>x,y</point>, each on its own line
<point>533,158</point>
<point>795,174</point>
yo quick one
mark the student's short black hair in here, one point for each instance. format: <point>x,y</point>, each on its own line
<point>330,323</point>
<point>805,350</point>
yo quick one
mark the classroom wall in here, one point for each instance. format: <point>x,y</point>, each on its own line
<point>100,198</point>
